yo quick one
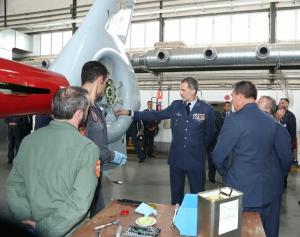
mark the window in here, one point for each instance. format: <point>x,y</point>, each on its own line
<point>204,30</point>
<point>188,31</point>
<point>171,30</point>
<point>151,33</point>
<point>67,35</point>
<point>56,40</point>
<point>138,35</point>
<point>286,25</point>
<point>46,44</point>
<point>222,29</point>
<point>259,27</point>
<point>240,28</point>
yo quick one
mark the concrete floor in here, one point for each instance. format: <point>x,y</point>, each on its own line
<point>149,181</point>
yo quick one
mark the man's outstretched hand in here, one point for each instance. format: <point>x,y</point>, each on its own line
<point>121,111</point>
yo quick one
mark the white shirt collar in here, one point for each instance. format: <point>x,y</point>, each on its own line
<point>192,103</point>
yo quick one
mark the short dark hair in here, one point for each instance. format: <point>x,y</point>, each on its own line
<point>227,102</point>
<point>92,70</point>
<point>286,99</point>
<point>192,83</point>
<point>68,100</point>
<point>246,88</point>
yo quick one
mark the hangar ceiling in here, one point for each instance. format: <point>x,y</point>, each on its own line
<point>45,16</point>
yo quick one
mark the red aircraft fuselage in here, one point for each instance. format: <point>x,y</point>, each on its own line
<point>27,89</point>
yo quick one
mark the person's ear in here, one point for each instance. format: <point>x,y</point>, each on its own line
<point>79,114</point>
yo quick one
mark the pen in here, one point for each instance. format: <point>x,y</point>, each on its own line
<point>175,213</point>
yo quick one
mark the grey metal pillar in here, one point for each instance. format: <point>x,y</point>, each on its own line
<point>272,30</point>
<point>272,21</point>
<point>161,23</point>
<point>5,13</point>
<point>73,10</point>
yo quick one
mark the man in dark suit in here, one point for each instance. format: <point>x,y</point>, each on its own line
<point>16,131</point>
<point>244,155</point>
<point>282,163</point>
<point>211,146</point>
<point>227,111</point>
<point>132,132</point>
<point>192,124</point>
<point>289,121</point>
<point>150,128</point>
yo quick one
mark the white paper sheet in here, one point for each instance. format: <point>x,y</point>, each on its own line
<point>229,216</point>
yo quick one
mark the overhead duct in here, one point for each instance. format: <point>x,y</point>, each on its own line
<point>233,57</point>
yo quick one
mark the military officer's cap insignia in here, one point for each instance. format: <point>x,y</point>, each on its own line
<point>94,116</point>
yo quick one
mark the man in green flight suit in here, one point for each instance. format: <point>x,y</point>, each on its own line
<point>53,179</point>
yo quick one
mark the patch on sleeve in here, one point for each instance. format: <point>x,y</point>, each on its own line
<point>98,170</point>
<point>94,116</point>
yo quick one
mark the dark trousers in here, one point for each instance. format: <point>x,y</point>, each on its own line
<point>269,215</point>
<point>211,167</point>
<point>148,143</point>
<point>196,180</point>
<point>136,144</point>
<point>15,136</point>
<point>97,204</point>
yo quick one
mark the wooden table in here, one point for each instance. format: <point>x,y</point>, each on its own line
<point>251,224</point>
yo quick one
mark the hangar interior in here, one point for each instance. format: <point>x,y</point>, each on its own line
<point>232,34</point>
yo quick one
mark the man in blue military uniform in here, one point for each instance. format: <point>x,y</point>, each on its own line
<point>93,79</point>
<point>132,132</point>
<point>244,155</point>
<point>150,128</point>
<point>192,124</point>
<point>282,163</point>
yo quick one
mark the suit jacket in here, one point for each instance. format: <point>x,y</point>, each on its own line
<point>96,130</point>
<point>223,116</point>
<point>190,133</point>
<point>283,159</point>
<point>134,128</point>
<point>289,121</point>
<point>150,126</point>
<point>244,155</point>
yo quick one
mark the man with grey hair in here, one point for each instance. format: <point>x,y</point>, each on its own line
<point>192,124</point>
<point>267,103</point>
<point>51,185</point>
<point>283,161</point>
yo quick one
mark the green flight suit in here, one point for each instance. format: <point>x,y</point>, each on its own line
<point>53,179</point>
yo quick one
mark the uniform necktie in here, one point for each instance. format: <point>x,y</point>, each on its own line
<point>187,107</point>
